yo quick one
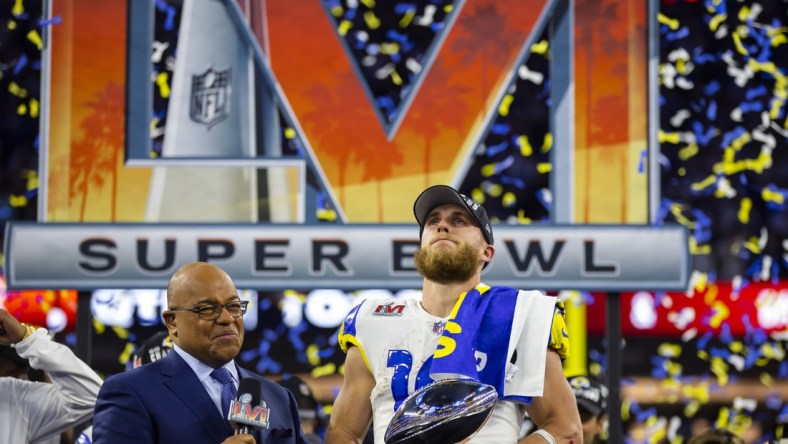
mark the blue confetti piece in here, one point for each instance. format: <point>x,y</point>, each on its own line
<point>514,181</point>
<point>20,64</point>
<point>747,107</point>
<point>755,92</point>
<point>702,59</point>
<point>704,340</point>
<point>702,137</point>
<point>56,20</point>
<point>711,111</point>
<point>642,161</point>
<point>679,34</point>
<point>725,333</point>
<point>493,150</point>
<point>712,88</point>
<point>500,129</point>
<point>646,414</point>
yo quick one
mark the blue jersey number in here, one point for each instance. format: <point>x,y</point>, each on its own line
<point>402,362</point>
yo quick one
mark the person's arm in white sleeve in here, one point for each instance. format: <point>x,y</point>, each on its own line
<point>70,399</point>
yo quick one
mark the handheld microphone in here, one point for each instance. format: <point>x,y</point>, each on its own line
<point>248,412</point>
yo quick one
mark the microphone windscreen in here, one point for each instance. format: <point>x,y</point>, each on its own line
<point>250,387</point>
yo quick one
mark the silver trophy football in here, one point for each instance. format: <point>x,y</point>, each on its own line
<point>445,411</point>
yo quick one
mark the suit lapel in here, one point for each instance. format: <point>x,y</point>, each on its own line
<point>183,383</point>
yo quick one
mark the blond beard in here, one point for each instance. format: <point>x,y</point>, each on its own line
<point>454,265</point>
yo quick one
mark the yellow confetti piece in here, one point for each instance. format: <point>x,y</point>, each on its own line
<point>671,23</point>
<point>688,151</point>
<point>509,199</point>
<point>696,249</point>
<point>11,25</point>
<point>715,21</point>
<point>369,3</point>
<point>522,219</point>
<point>720,370</point>
<point>389,48</point>
<point>33,108</point>
<point>547,144</point>
<point>721,313</point>
<point>98,327</point>
<point>325,370</point>
<point>478,195</point>
<point>737,347</point>
<point>32,180</point>
<point>327,215</point>
<point>407,18</point>
<point>495,190</point>
<point>396,78</point>
<point>691,408</point>
<point>744,210</point>
<point>18,8</point>
<point>17,90</point>
<point>664,137</point>
<point>626,406</point>
<point>372,21</point>
<point>21,109</point>
<point>35,38</point>
<point>540,47</point>
<point>705,183</point>
<point>337,11</point>
<point>17,201</point>
<point>526,150</point>
<point>161,82</point>
<point>121,332</point>
<point>503,108</point>
<point>669,350</point>
<point>344,27</point>
<point>312,354</point>
<point>744,12</point>
<point>766,379</point>
<point>767,67</point>
<point>701,279</point>
<point>289,133</point>
<point>488,170</point>
<point>124,356</point>
<point>771,196</point>
<point>544,167</point>
<point>295,294</point>
<point>722,418</point>
<point>778,40</point>
<point>682,171</point>
<point>448,8</point>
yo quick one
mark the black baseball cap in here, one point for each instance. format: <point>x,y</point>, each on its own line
<point>591,395</point>
<point>308,407</point>
<point>153,349</point>
<point>438,195</point>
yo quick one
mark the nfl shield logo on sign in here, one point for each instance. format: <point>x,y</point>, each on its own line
<point>210,99</point>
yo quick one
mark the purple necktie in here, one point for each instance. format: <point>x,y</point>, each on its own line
<point>222,375</point>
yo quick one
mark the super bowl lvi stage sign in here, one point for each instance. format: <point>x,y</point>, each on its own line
<point>446,411</point>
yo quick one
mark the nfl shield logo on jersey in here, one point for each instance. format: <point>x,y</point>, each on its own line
<point>210,98</point>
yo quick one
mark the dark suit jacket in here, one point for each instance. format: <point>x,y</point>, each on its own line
<point>164,402</point>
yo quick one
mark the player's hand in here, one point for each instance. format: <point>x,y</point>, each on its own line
<point>240,439</point>
<point>11,331</point>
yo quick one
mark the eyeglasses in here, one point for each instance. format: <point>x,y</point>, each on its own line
<point>212,312</point>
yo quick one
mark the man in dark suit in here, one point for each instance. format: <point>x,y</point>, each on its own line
<point>184,397</point>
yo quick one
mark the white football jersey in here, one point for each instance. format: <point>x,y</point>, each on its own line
<point>397,337</point>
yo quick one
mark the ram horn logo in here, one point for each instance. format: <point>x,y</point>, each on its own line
<point>210,100</point>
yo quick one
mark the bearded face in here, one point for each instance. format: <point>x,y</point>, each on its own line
<point>448,265</point>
